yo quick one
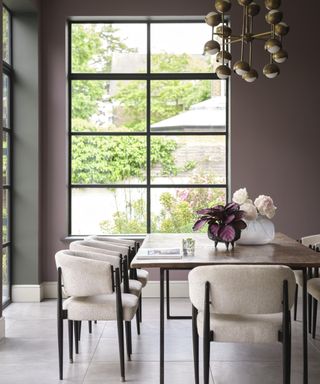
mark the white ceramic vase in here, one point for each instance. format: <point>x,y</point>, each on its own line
<point>258,232</point>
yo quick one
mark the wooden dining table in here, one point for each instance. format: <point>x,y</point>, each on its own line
<point>281,251</point>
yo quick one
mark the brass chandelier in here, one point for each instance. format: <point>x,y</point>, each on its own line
<point>273,39</point>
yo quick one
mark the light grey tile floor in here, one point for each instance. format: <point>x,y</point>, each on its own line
<point>29,352</point>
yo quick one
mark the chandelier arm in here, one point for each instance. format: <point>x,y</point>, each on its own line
<point>242,34</point>
<point>263,34</point>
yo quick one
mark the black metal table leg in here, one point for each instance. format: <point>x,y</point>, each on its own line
<point>169,316</point>
<point>161,326</point>
<point>305,326</point>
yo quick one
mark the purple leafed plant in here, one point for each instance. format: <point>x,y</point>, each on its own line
<point>224,223</point>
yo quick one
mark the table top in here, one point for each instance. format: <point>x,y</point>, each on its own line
<point>282,250</point>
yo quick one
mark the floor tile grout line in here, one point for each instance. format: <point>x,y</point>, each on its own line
<point>85,374</point>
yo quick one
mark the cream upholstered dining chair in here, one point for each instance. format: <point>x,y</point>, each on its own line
<point>134,286</point>
<point>94,294</point>
<point>307,241</point>
<point>313,288</point>
<point>141,274</point>
<point>241,304</point>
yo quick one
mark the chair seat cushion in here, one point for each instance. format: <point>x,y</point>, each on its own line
<point>143,276</point>
<point>299,277</point>
<point>243,328</point>
<point>313,287</point>
<point>100,307</point>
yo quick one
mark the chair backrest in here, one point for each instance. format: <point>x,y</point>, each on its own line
<point>241,289</point>
<point>111,247</point>
<point>91,246</point>
<point>95,254</point>
<point>112,239</point>
<point>310,241</point>
<point>84,274</point>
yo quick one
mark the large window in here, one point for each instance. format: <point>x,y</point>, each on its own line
<point>7,155</point>
<point>148,127</point>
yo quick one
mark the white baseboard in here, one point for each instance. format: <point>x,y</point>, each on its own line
<point>152,289</point>
<point>48,290</point>
<point>27,293</point>
<point>2,328</point>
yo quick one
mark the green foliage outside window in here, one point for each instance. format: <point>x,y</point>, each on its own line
<point>121,159</point>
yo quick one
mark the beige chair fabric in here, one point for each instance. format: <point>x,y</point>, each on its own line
<point>310,240</point>
<point>313,287</point>
<point>241,290</point>
<point>243,328</point>
<point>100,307</point>
<point>82,276</point>
<point>143,276</point>
<point>101,247</point>
<point>307,241</point>
<point>135,286</point>
<point>110,247</point>
<point>116,240</point>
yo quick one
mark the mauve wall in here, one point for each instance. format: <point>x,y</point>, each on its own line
<point>274,124</point>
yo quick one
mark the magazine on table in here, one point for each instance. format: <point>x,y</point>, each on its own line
<point>159,253</point>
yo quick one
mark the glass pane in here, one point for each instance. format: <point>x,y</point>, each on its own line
<point>5,159</point>
<point>105,211</point>
<point>108,159</point>
<point>6,35</point>
<point>5,275</point>
<point>5,216</point>
<point>188,159</point>
<point>108,106</point>
<point>173,209</point>
<point>188,106</point>
<point>178,48</point>
<point>6,101</point>
<point>109,48</point>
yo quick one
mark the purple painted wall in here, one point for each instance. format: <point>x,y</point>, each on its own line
<point>274,124</point>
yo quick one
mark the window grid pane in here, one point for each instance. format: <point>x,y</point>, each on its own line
<point>172,144</point>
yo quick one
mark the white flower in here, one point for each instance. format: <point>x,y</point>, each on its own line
<point>265,206</point>
<point>250,211</point>
<point>240,196</point>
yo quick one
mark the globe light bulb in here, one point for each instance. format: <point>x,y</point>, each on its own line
<point>223,72</point>
<point>280,57</point>
<point>223,6</point>
<point>274,16</point>
<point>273,45</point>
<point>211,47</point>
<point>271,71</point>
<point>213,19</point>
<point>241,67</point>
<point>226,57</point>
<point>250,76</point>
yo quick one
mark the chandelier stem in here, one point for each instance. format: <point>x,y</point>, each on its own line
<point>223,39</point>
<point>251,42</point>
<point>242,34</point>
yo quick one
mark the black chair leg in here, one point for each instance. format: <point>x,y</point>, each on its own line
<point>70,333</point>
<point>206,336</point>
<point>90,326</point>
<point>295,303</point>
<point>195,342</point>
<point>309,313</point>
<point>138,321</point>
<point>121,348</point>
<point>140,308</point>
<point>128,339</point>
<point>76,336</point>
<point>79,330</point>
<point>314,319</point>
<point>95,321</point>
<point>60,345</point>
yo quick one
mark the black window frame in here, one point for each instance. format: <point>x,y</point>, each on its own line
<point>148,76</point>
<point>8,70</point>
